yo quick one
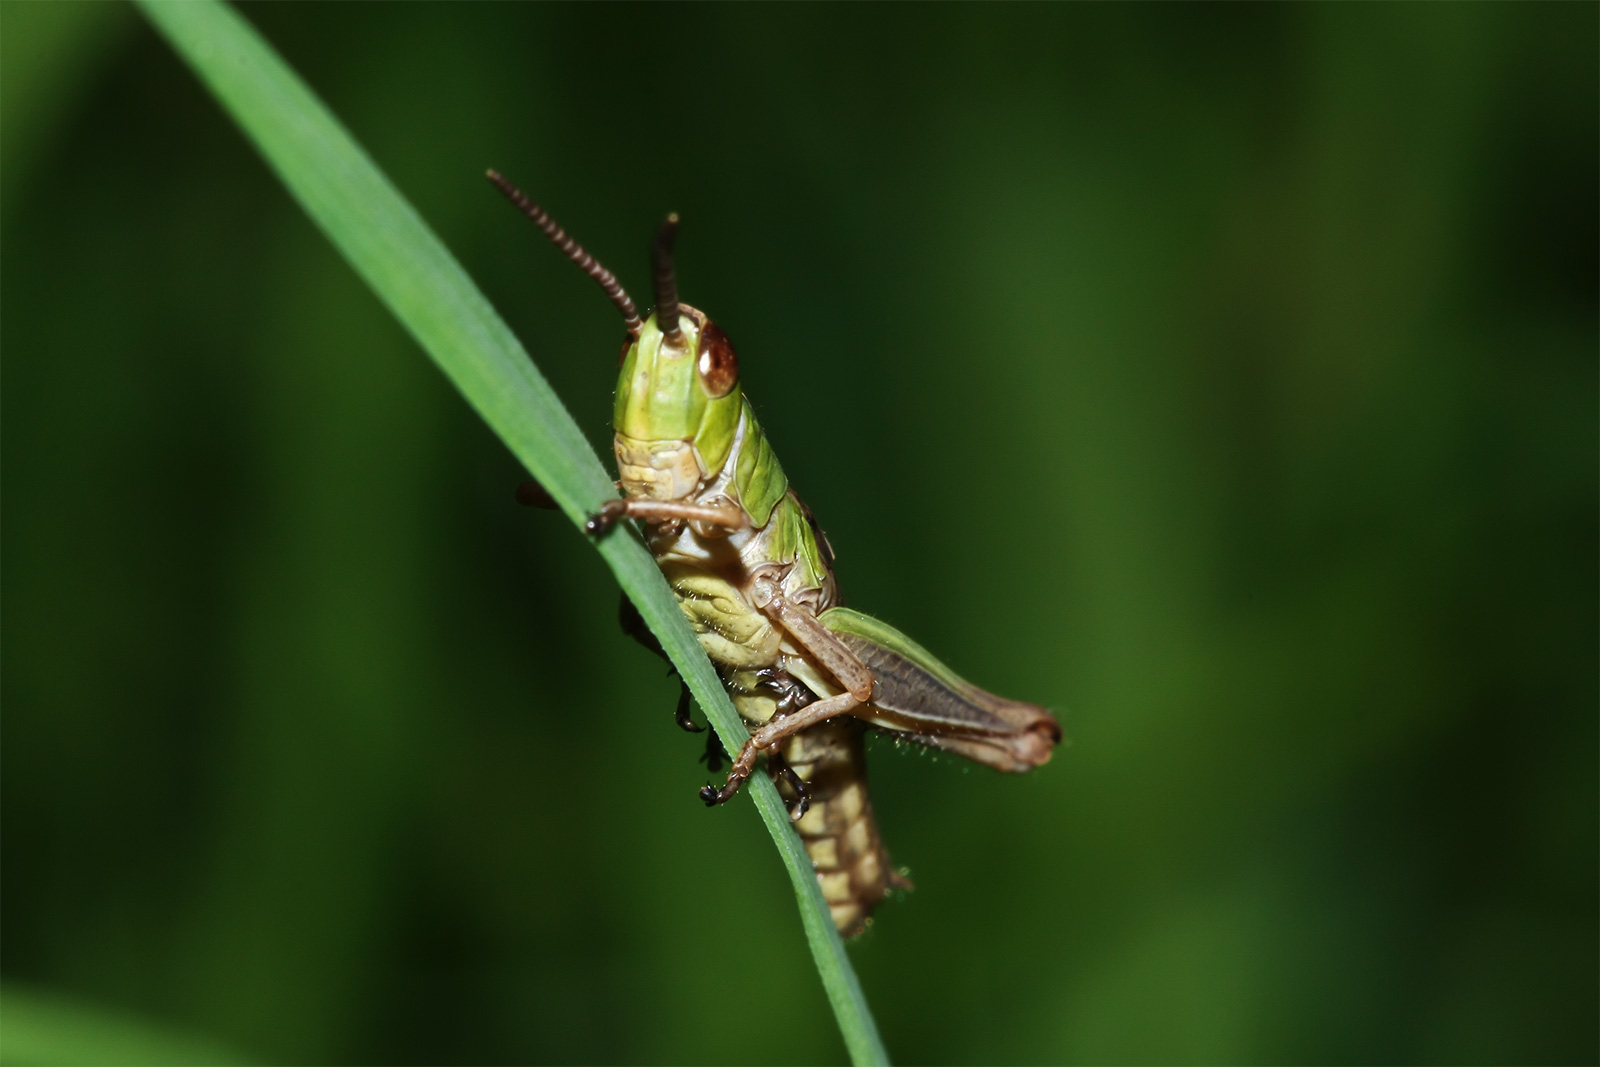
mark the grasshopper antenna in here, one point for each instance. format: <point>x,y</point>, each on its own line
<point>574,251</point>
<point>666,286</point>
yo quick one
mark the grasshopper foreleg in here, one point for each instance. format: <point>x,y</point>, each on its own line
<point>709,518</point>
<point>770,735</point>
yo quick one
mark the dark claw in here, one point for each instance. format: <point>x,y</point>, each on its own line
<point>601,521</point>
<point>682,714</point>
<point>791,694</point>
<point>714,796</point>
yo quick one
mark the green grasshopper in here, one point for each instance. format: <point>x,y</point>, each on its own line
<point>753,573</point>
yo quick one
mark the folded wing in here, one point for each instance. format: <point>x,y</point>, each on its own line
<point>922,700</point>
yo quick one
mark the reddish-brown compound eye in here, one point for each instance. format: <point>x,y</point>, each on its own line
<point>622,357</point>
<point>719,367</point>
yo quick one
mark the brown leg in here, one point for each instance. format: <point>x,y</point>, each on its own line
<point>818,640</point>
<point>768,736</point>
<point>726,518</point>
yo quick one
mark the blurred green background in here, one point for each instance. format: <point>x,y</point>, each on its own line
<point>1224,378</point>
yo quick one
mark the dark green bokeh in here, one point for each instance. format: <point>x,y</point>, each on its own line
<point>1224,378</point>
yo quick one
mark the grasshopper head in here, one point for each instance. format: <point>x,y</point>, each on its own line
<point>671,391</point>
<point>678,396</point>
<point>679,384</point>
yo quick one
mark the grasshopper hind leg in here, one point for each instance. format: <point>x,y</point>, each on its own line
<point>794,705</point>
<point>794,790</point>
<point>765,740</point>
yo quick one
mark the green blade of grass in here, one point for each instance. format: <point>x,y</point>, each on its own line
<point>48,1028</point>
<point>414,275</point>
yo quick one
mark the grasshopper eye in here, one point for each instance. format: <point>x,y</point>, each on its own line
<point>622,356</point>
<point>719,366</point>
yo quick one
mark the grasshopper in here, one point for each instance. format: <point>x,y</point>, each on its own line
<point>753,573</point>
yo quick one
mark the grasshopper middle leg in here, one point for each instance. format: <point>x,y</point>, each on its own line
<point>780,770</point>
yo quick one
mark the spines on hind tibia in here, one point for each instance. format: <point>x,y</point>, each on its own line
<point>838,830</point>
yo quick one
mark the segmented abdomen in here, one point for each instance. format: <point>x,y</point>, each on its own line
<point>838,830</point>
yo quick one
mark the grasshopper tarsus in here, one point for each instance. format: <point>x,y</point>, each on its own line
<point>714,796</point>
<point>600,522</point>
<point>682,713</point>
